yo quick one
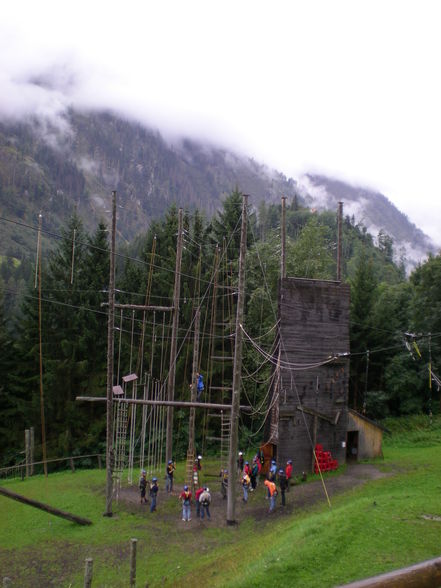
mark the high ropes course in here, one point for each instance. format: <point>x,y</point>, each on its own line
<point>150,345</point>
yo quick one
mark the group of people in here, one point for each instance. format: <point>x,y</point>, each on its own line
<point>202,499</point>
<point>153,490</point>
<point>249,474</point>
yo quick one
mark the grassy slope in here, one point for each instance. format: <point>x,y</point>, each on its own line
<point>371,529</point>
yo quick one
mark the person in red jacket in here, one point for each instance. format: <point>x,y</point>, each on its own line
<point>197,495</point>
<point>288,473</point>
<point>185,497</point>
<point>247,468</point>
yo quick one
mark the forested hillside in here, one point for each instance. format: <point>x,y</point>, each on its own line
<point>393,378</point>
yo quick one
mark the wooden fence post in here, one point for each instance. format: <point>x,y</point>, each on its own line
<point>72,466</point>
<point>133,543</point>
<point>88,570</point>
<point>99,461</point>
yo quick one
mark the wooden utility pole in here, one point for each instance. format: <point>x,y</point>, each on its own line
<point>194,383</point>
<point>174,341</point>
<point>43,424</point>
<point>339,230</point>
<point>283,239</point>
<point>237,369</point>
<point>110,352</point>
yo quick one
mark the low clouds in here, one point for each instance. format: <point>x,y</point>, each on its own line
<point>345,89</point>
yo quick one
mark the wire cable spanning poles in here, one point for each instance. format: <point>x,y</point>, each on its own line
<point>286,364</point>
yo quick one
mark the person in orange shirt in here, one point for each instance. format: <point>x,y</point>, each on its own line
<point>272,489</point>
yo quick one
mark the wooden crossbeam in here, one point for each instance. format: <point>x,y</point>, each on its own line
<point>205,405</point>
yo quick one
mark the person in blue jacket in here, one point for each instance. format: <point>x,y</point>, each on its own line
<point>153,493</point>
<point>200,385</point>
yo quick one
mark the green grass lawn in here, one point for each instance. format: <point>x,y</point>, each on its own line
<point>373,528</point>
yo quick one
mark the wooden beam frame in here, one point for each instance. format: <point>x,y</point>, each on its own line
<point>205,405</point>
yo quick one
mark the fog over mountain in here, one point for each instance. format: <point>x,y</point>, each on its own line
<point>73,164</point>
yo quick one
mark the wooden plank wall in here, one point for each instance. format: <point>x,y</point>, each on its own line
<point>314,325</point>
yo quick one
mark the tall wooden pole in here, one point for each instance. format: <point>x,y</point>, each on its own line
<point>110,353</point>
<point>339,230</point>
<point>43,423</point>
<point>194,382</point>
<point>237,369</point>
<point>283,239</point>
<point>174,341</point>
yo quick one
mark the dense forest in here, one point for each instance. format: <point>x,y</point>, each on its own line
<point>395,320</point>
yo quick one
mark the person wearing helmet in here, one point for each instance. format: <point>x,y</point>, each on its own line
<point>224,483</point>
<point>197,495</point>
<point>283,484</point>
<point>153,493</point>
<point>143,486</point>
<point>169,476</point>
<point>245,486</point>
<point>240,463</point>
<point>272,471</point>
<point>247,468</point>
<point>199,459</point>
<point>272,491</point>
<point>254,474</point>
<point>205,501</point>
<point>185,498</point>
<point>200,386</point>
<point>288,472</point>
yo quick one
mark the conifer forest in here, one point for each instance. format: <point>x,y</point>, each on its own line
<point>395,324</point>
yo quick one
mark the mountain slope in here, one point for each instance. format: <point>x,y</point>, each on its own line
<point>61,170</point>
<point>371,209</point>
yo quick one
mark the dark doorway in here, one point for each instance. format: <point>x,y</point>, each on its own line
<point>352,446</point>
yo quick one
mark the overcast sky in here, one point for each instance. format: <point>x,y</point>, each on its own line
<point>347,88</point>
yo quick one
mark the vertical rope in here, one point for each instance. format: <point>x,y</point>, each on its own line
<point>131,341</point>
<point>143,424</point>
<point>119,344</point>
<point>162,437</point>
<point>73,256</point>
<point>149,445</point>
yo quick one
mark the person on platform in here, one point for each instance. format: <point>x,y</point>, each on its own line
<point>200,385</point>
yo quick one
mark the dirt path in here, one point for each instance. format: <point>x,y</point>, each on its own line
<point>300,496</point>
